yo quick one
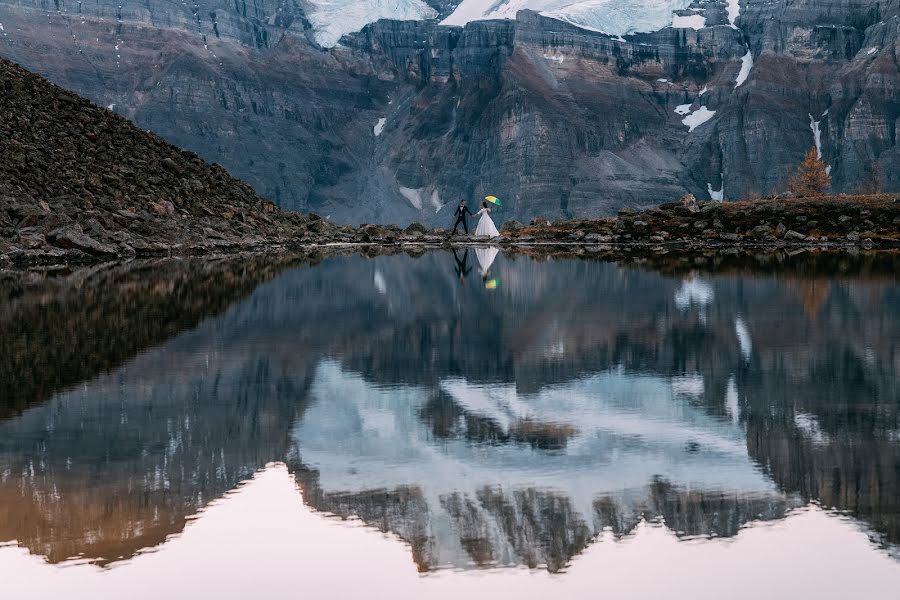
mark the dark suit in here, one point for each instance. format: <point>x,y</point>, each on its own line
<point>462,266</point>
<point>460,215</point>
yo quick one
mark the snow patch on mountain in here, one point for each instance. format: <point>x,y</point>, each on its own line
<point>816,128</point>
<point>332,19</point>
<point>614,17</point>
<point>698,118</point>
<point>734,11</point>
<point>379,126</point>
<point>716,195</point>
<point>414,195</point>
<point>746,67</point>
<point>689,22</point>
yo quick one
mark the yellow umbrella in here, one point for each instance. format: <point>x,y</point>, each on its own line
<point>492,284</point>
<point>493,200</point>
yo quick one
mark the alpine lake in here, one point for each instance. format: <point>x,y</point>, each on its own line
<point>452,424</point>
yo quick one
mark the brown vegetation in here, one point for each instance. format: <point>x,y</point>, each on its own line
<point>812,178</point>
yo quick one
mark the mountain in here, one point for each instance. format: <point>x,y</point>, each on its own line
<point>558,119</point>
<point>78,180</point>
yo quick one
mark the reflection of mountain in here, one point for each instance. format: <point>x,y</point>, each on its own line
<point>57,332</point>
<point>504,426</point>
<point>486,493</point>
<point>118,464</point>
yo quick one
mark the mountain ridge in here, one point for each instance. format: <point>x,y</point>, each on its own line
<point>559,121</point>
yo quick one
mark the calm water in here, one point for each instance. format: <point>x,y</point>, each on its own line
<point>428,427</point>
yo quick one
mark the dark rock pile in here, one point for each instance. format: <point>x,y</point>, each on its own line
<point>78,182</point>
<point>863,221</point>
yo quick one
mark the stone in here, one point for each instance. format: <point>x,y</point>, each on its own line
<point>416,228</point>
<point>32,241</point>
<point>780,229</point>
<point>853,236</point>
<point>596,238</point>
<point>72,237</point>
<point>730,237</point>
<point>794,236</point>
<point>163,208</point>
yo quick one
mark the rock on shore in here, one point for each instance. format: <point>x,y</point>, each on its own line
<point>865,221</point>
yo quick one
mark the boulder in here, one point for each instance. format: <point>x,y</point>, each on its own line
<point>163,207</point>
<point>32,240</point>
<point>72,237</point>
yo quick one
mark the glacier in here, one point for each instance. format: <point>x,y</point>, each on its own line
<point>614,17</point>
<point>332,19</point>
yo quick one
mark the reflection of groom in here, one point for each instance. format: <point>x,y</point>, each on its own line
<point>460,215</point>
<point>462,266</point>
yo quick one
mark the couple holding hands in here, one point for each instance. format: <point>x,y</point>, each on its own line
<point>485,226</point>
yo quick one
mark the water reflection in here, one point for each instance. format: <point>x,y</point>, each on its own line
<point>511,425</point>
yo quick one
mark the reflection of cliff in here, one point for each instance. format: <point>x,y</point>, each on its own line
<point>120,462</point>
<point>485,427</point>
<point>831,432</point>
<point>57,332</point>
<point>720,342</point>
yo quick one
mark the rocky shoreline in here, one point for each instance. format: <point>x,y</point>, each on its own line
<point>853,223</point>
<point>80,184</point>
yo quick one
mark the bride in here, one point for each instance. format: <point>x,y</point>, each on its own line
<point>486,226</point>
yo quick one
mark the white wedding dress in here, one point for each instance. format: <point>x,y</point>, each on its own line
<point>486,225</point>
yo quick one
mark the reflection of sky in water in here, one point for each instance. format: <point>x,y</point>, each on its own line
<point>262,541</point>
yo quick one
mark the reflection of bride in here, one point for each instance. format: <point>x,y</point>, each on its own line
<point>486,258</point>
<point>486,224</point>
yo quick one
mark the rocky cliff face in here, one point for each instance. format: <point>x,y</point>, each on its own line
<point>405,117</point>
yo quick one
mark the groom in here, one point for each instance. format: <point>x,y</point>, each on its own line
<point>460,215</point>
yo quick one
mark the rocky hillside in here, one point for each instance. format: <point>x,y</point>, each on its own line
<point>405,117</point>
<point>77,180</point>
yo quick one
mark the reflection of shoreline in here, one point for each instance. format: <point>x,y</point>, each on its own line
<point>58,332</point>
<point>821,353</point>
